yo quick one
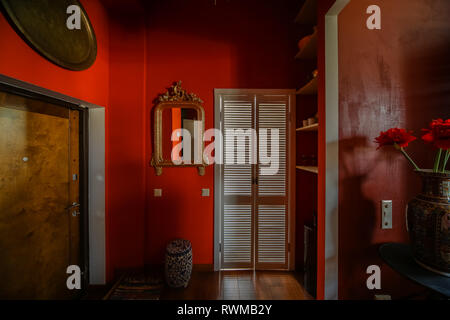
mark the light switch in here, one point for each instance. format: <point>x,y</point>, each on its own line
<point>386,214</point>
<point>157,192</point>
<point>205,192</point>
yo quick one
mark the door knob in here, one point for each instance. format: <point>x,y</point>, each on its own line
<point>73,206</point>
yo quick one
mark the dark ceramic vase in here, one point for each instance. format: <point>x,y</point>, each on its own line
<point>178,266</point>
<point>428,221</point>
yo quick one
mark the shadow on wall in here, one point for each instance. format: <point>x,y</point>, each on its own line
<point>426,73</point>
<point>363,210</point>
<point>407,61</point>
<point>125,220</point>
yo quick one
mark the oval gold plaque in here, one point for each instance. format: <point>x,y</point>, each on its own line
<point>43,25</point>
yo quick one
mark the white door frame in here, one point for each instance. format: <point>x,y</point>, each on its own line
<point>96,174</point>
<point>218,192</point>
<point>332,150</point>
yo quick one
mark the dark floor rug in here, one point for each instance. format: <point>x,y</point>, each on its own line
<point>136,287</point>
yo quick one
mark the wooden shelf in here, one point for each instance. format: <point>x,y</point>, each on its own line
<point>309,169</point>
<point>308,13</point>
<point>313,127</point>
<point>309,51</point>
<point>309,88</point>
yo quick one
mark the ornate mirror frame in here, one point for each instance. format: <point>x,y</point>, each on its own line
<point>176,97</point>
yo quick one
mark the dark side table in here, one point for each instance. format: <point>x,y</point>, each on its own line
<point>399,257</point>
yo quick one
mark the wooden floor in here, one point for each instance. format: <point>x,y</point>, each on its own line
<point>240,285</point>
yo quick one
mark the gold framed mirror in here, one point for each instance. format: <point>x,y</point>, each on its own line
<point>179,124</point>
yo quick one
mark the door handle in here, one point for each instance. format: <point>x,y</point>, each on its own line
<point>75,213</point>
<point>73,206</point>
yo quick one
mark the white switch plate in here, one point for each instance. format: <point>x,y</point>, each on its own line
<point>157,192</point>
<point>386,214</point>
<point>205,192</point>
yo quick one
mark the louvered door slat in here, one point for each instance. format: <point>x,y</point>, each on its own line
<point>237,177</point>
<point>237,235</point>
<point>272,116</point>
<point>271,200</point>
<point>237,186</point>
<point>272,234</point>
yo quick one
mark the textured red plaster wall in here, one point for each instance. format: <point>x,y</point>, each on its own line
<point>394,77</point>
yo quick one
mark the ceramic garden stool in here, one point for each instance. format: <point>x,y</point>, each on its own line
<point>178,266</point>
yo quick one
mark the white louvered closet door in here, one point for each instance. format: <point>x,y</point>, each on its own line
<point>238,188</point>
<point>254,204</point>
<point>271,200</point>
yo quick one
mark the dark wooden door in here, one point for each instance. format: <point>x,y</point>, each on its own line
<point>39,182</point>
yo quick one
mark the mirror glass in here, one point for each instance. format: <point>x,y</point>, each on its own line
<point>179,122</point>
<point>181,135</point>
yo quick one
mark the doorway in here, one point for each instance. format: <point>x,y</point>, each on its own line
<point>43,204</point>
<point>254,222</point>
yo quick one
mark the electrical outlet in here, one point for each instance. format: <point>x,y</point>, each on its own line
<point>205,192</point>
<point>157,192</point>
<point>386,214</point>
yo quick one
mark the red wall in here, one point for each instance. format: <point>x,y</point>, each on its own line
<point>116,81</point>
<point>394,77</point>
<point>236,44</point>
<point>19,61</point>
<point>126,123</point>
<point>232,45</point>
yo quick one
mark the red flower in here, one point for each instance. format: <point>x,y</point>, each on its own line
<point>394,136</point>
<point>438,134</point>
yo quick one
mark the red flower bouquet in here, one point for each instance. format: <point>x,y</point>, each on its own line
<point>428,213</point>
<point>395,137</point>
<point>438,135</point>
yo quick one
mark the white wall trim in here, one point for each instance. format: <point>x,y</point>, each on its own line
<point>97,229</point>
<point>332,150</point>
<point>218,168</point>
<point>96,174</point>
